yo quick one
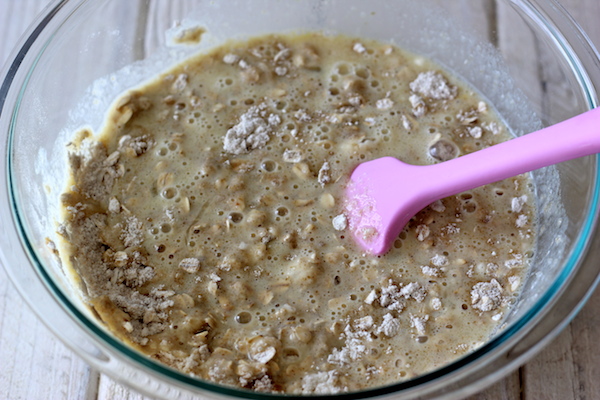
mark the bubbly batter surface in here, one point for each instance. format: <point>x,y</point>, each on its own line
<point>206,220</point>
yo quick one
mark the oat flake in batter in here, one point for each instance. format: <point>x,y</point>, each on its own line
<point>206,220</point>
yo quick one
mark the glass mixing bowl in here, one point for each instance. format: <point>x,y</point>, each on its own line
<point>79,55</point>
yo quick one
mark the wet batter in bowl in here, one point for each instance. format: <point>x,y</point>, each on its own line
<point>206,223</point>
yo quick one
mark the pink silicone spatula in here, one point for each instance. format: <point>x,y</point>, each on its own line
<point>384,194</point>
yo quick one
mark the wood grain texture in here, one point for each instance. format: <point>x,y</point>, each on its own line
<point>34,365</point>
<point>108,389</point>
<point>513,35</point>
<point>569,368</point>
<point>477,16</point>
<point>156,27</point>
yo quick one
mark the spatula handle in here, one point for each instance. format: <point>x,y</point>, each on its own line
<point>567,140</point>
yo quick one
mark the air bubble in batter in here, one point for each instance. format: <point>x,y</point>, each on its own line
<point>236,217</point>
<point>169,193</point>
<point>343,69</point>
<point>282,211</point>
<point>362,73</point>
<point>243,318</point>
<point>443,150</point>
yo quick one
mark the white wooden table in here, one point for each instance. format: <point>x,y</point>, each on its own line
<point>35,365</point>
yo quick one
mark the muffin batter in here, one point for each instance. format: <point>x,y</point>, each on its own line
<point>206,221</point>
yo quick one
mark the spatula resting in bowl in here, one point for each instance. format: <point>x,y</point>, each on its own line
<point>384,194</point>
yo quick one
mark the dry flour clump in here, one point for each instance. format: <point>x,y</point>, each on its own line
<point>253,131</point>
<point>487,296</point>
<point>292,156</point>
<point>419,323</point>
<point>324,176</point>
<point>355,338</point>
<point>340,222</point>
<point>422,232</point>
<point>433,85</point>
<point>390,326</point>
<point>439,260</point>
<point>132,232</point>
<point>94,171</point>
<point>475,131</point>
<point>384,104</point>
<point>430,271</point>
<point>517,203</point>
<point>393,296</point>
<point>521,221</point>
<point>321,383</point>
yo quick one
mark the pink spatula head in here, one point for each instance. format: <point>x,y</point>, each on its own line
<point>384,194</point>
